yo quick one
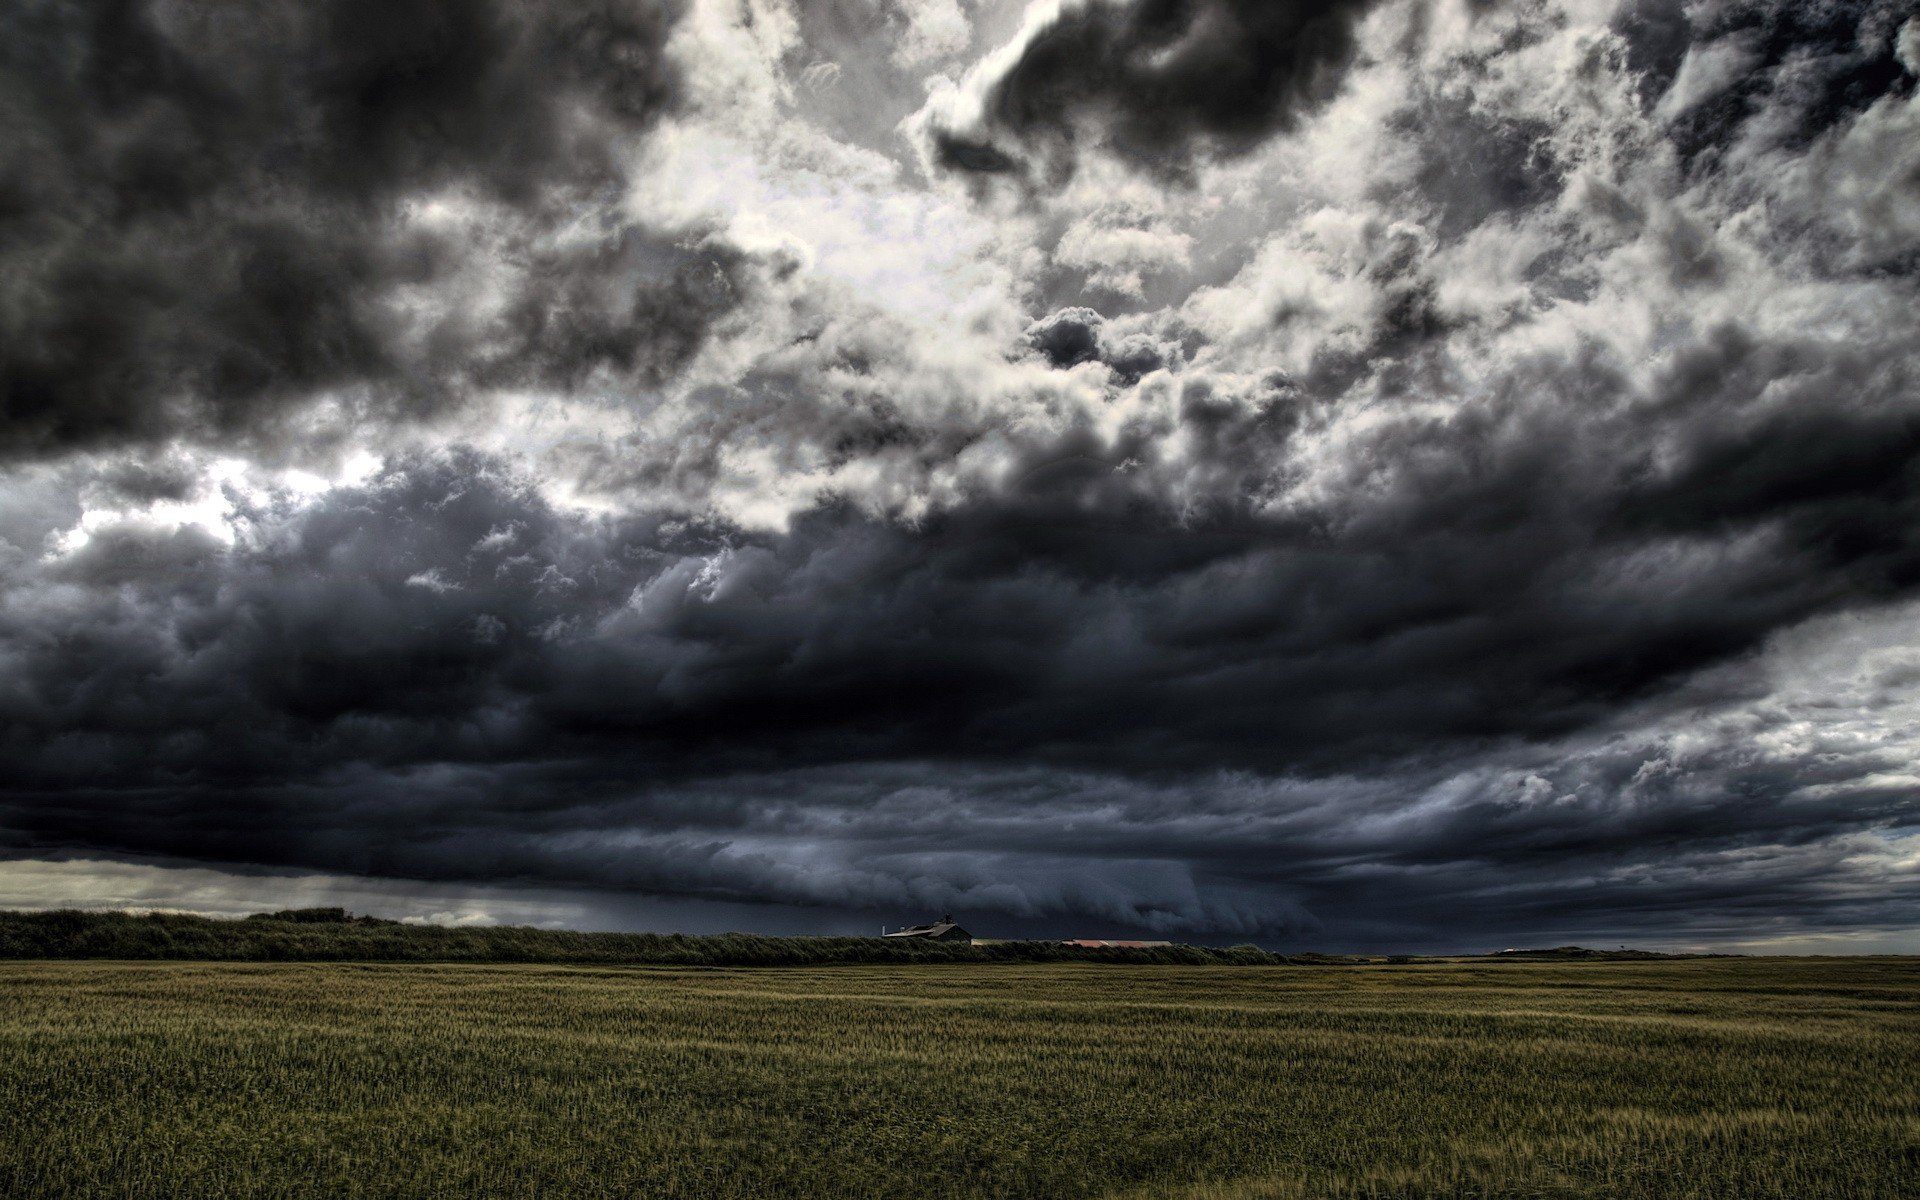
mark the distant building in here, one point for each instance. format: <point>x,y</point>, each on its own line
<point>1096,943</point>
<point>943,930</point>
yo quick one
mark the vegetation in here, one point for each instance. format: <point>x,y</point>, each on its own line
<point>333,935</point>
<point>317,916</point>
<point>1710,1079</point>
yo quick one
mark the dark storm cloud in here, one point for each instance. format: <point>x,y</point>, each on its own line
<point>1801,68</point>
<point>439,676</point>
<point>1076,335</point>
<point>1554,586</point>
<point>203,213</point>
<point>1159,82</point>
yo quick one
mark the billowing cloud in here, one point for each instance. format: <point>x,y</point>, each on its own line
<point>1154,82</point>
<point>1428,474</point>
<point>209,221</point>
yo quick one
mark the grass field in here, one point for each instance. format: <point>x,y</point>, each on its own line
<point>1736,1078</point>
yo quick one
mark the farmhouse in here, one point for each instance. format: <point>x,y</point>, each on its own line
<point>943,930</point>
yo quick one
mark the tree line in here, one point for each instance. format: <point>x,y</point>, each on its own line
<point>335,935</point>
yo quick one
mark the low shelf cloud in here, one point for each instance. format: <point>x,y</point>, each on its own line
<point>1415,474</point>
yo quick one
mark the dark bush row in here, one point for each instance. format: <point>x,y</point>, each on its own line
<point>305,936</point>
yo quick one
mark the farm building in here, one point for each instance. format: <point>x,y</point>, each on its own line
<point>943,930</point>
<point>1122,945</point>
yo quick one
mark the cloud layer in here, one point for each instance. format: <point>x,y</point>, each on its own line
<point>1372,474</point>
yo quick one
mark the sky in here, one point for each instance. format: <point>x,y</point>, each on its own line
<point>1337,474</point>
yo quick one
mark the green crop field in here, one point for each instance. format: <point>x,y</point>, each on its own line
<point>1735,1078</point>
